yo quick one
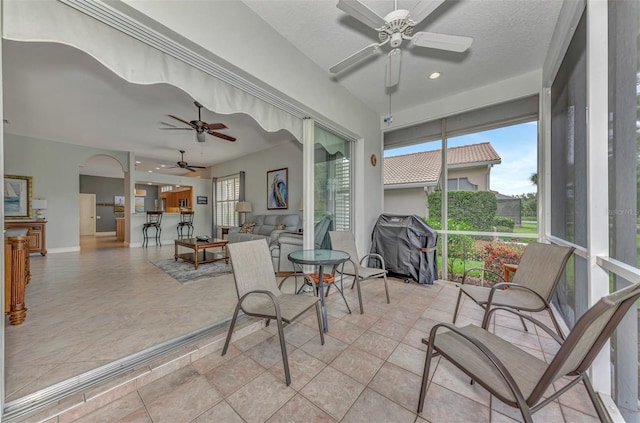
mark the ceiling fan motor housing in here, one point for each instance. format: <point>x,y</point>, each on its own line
<point>397,27</point>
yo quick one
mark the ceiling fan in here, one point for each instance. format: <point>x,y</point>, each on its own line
<point>200,127</point>
<point>393,29</point>
<point>184,165</point>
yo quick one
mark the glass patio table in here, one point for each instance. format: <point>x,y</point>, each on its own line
<point>320,258</point>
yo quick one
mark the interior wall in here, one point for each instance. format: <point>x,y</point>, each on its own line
<point>257,165</point>
<point>54,167</point>
<point>104,189</point>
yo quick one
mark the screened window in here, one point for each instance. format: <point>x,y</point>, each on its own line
<point>227,195</point>
<point>461,184</point>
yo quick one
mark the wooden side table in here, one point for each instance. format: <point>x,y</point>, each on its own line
<point>224,230</point>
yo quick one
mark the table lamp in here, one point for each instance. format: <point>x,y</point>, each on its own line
<point>244,207</point>
<point>39,205</point>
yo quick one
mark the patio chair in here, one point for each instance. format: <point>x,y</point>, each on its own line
<point>532,287</point>
<point>344,241</point>
<point>260,296</point>
<point>518,378</point>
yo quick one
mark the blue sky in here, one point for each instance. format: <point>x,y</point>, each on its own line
<point>516,145</point>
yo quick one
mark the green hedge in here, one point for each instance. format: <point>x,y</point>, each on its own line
<point>475,208</point>
<point>504,224</point>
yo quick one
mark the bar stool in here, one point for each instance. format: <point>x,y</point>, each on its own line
<point>186,219</point>
<point>154,218</point>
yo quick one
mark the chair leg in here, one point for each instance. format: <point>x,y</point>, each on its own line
<point>455,313</point>
<point>425,378</point>
<point>320,323</point>
<point>595,400</point>
<point>345,300</point>
<point>386,288</point>
<point>231,326</point>
<point>524,325</point>
<point>283,348</point>
<point>357,283</point>
<point>556,324</point>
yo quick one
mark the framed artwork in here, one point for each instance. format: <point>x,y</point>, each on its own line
<point>139,205</point>
<point>277,186</point>
<point>18,194</point>
<point>118,204</point>
<point>202,199</point>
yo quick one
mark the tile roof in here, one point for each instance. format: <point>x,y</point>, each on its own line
<point>424,167</point>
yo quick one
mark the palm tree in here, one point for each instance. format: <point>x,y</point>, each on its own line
<point>534,178</point>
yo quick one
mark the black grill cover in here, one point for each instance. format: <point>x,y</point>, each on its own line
<point>408,246</point>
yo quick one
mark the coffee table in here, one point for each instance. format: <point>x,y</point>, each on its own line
<point>201,246</point>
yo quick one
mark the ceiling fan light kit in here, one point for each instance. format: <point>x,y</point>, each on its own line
<point>394,28</point>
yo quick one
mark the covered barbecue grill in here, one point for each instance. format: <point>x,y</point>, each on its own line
<point>408,246</point>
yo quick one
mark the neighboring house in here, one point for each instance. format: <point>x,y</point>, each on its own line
<point>409,178</point>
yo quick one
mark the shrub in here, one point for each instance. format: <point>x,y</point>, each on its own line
<point>503,223</point>
<point>474,208</point>
<point>499,253</point>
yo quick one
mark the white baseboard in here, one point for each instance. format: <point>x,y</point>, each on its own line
<point>63,250</point>
<point>113,233</point>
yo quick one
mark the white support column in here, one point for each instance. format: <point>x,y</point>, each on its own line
<point>308,176</point>
<point>2,347</point>
<point>544,165</point>
<point>597,172</point>
<point>445,200</point>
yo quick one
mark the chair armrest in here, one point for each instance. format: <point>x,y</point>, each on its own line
<point>378,256</point>
<point>270,294</point>
<point>483,270</point>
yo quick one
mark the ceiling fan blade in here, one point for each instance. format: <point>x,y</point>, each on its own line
<point>167,124</point>
<point>362,13</point>
<point>215,126</point>
<point>355,58</point>
<point>197,167</point>
<point>393,67</point>
<point>180,129</point>
<point>423,9</point>
<point>183,121</point>
<point>442,41</point>
<point>223,136</point>
<point>189,168</point>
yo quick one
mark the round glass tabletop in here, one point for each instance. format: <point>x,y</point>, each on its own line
<point>318,257</point>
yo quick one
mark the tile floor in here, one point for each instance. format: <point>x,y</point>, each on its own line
<point>369,370</point>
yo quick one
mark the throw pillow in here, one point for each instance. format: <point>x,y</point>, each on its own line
<point>281,226</point>
<point>247,228</point>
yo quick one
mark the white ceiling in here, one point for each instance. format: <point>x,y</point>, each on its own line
<point>56,92</point>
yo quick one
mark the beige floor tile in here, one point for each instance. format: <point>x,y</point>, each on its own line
<point>260,398</point>
<point>183,398</point>
<point>328,352</point>
<point>268,352</point>
<point>234,374</point>
<point>222,412</point>
<point>399,385</point>
<point>376,344</point>
<point>409,358</point>
<point>332,391</point>
<point>372,407</point>
<point>450,377</point>
<point>357,364</point>
<point>390,329</point>
<point>302,366</point>
<point>443,405</point>
<point>300,410</point>
<point>345,331</point>
<point>550,413</point>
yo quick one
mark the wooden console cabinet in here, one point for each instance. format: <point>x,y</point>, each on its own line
<point>37,233</point>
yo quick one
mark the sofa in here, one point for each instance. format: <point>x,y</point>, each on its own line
<point>289,242</point>
<point>265,227</point>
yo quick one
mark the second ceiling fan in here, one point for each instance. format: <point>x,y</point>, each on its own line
<point>394,28</point>
<point>200,127</point>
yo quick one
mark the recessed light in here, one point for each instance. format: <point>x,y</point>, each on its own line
<point>434,75</point>
<point>157,168</point>
<point>149,183</point>
<point>150,171</point>
<point>163,166</point>
<point>138,162</point>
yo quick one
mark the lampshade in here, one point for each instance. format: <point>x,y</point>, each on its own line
<point>243,207</point>
<point>39,204</point>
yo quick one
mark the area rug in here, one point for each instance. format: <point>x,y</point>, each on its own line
<point>185,272</point>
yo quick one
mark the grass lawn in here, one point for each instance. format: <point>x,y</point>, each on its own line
<point>527,228</point>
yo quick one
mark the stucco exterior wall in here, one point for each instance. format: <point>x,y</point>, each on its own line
<point>406,201</point>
